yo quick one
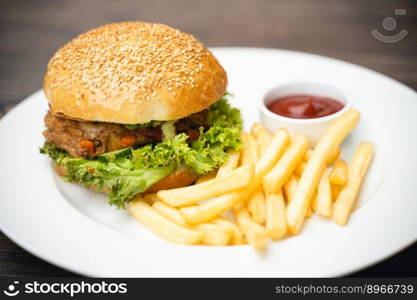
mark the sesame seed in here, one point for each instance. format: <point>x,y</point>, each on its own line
<point>127,56</point>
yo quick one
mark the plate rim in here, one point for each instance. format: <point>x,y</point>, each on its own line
<point>14,237</point>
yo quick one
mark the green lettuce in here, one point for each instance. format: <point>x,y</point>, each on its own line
<point>221,113</point>
<point>124,173</point>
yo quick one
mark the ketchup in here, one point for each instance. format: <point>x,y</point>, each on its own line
<point>305,106</point>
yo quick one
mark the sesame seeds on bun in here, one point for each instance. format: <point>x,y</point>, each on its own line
<point>132,73</point>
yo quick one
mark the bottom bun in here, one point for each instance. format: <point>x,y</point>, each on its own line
<point>180,178</point>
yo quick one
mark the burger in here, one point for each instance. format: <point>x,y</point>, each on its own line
<point>137,107</point>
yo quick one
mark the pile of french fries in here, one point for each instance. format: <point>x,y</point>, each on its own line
<point>264,192</point>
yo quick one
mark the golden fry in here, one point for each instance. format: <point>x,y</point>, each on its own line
<point>289,188</point>
<point>334,154</point>
<point>160,225</point>
<point>313,203</point>
<point>276,223</point>
<point>308,155</point>
<point>262,136</point>
<point>357,170</point>
<point>256,206</point>
<point>330,159</point>
<point>339,173</point>
<point>214,234</point>
<point>323,201</point>
<point>336,133</point>
<point>272,154</point>
<point>308,212</point>
<point>237,234</point>
<point>230,165</point>
<point>255,234</point>
<point>212,208</point>
<point>249,150</point>
<point>237,179</point>
<point>335,189</point>
<point>273,181</point>
<point>299,170</point>
<point>170,212</point>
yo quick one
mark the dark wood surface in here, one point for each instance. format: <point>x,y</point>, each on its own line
<point>31,31</point>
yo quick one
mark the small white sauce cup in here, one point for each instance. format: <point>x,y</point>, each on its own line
<point>313,129</point>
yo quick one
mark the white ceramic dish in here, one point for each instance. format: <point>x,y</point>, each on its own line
<point>74,228</point>
<point>313,129</point>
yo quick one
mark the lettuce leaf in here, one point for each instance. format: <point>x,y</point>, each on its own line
<point>58,155</point>
<point>114,173</point>
<point>124,173</point>
<point>221,113</point>
<point>117,177</point>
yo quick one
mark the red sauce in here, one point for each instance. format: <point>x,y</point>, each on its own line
<point>305,106</point>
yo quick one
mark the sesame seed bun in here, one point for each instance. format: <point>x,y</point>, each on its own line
<point>132,73</point>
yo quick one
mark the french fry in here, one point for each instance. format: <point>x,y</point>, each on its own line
<point>299,170</point>
<point>334,154</point>
<point>289,188</point>
<point>214,234</point>
<point>357,170</point>
<point>160,225</point>
<point>237,234</point>
<point>262,136</point>
<point>270,187</point>
<point>265,163</point>
<point>276,223</point>
<point>308,212</point>
<point>308,155</point>
<point>249,149</point>
<point>256,206</point>
<point>338,177</point>
<point>230,165</point>
<point>323,202</point>
<point>206,177</point>
<point>169,212</point>
<point>339,173</point>
<point>212,208</point>
<point>272,154</point>
<point>274,179</point>
<point>313,203</point>
<point>255,234</point>
<point>336,133</point>
<point>239,178</point>
<point>330,159</point>
<point>335,189</point>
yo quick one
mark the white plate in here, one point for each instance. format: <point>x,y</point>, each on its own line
<point>74,228</point>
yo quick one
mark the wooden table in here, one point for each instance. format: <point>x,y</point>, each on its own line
<point>31,31</point>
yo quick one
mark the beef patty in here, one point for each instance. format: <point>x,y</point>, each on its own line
<point>89,139</point>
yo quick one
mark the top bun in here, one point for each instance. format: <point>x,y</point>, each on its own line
<point>133,73</point>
